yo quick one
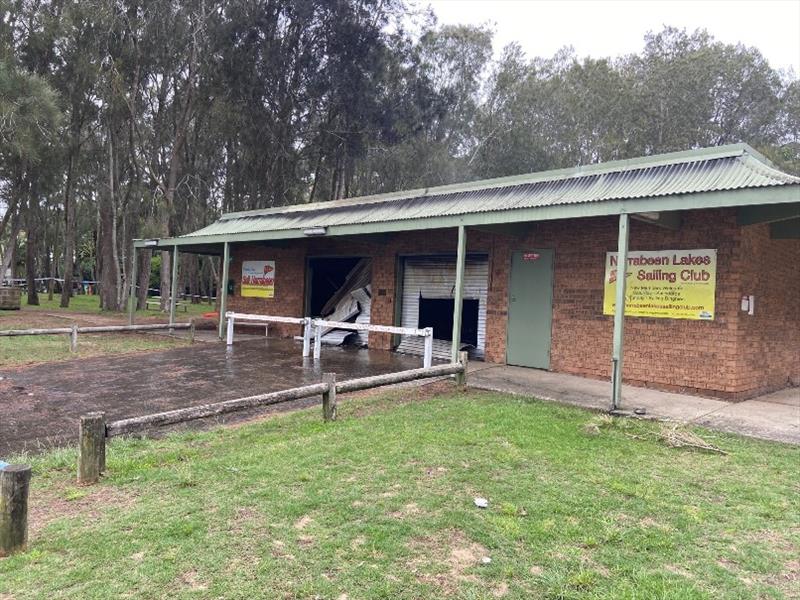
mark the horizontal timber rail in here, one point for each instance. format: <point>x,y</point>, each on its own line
<point>364,383</point>
<point>73,331</point>
<point>94,329</point>
<point>137,424</point>
<point>94,430</point>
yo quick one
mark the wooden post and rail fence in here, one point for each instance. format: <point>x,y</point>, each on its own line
<point>94,430</point>
<point>74,330</point>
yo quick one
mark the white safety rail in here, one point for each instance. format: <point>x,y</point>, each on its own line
<point>232,317</point>
<point>317,325</point>
<point>427,333</point>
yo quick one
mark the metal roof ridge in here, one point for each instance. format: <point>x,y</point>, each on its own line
<point>603,168</point>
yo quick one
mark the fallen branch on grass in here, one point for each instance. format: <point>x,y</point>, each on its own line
<point>678,437</point>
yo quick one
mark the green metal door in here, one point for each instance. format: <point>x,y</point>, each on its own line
<point>530,309</point>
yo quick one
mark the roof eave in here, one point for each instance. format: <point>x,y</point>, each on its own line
<point>692,201</point>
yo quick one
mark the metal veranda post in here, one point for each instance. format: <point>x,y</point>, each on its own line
<point>223,291</point>
<point>173,292</point>
<point>132,296</point>
<point>619,312</point>
<point>458,296</point>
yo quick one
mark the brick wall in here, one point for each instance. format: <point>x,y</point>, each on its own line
<point>769,340</point>
<point>733,356</point>
<point>290,279</point>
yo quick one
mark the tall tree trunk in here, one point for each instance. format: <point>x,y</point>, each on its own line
<point>32,244</point>
<point>69,236</point>
<point>143,269</point>
<point>10,250</point>
<point>107,240</point>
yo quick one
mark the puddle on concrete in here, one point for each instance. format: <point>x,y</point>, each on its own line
<point>40,405</point>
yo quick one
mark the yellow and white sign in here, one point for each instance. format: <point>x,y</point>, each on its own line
<point>671,284</point>
<point>258,278</point>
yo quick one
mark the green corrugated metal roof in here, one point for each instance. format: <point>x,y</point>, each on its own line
<point>644,184</point>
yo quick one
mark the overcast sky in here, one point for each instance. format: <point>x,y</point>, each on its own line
<point>611,28</point>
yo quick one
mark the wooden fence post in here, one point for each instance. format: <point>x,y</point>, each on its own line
<point>14,485</point>
<point>73,338</point>
<point>329,397</point>
<point>461,378</point>
<point>92,448</point>
<point>191,332</point>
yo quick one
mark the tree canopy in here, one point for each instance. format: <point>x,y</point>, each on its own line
<point>122,119</point>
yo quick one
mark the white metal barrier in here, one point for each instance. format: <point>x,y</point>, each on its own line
<point>427,333</point>
<point>232,317</point>
<point>317,325</point>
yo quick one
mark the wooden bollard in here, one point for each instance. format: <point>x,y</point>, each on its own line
<point>461,378</point>
<point>329,397</point>
<point>14,484</point>
<point>191,332</point>
<point>92,448</point>
<point>73,338</point>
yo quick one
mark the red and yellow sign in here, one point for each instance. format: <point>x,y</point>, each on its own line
<point>258,278</point>
<point>671,284</point>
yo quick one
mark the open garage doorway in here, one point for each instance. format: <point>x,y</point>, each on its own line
<point>428,290</point>
<point>339,289</point>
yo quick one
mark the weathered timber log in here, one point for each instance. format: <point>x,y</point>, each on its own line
<point>92,448</point>
<point>399,377</point>
<point>180,415</point>
<point>150,327</point>
<point>463,359</point>
<point>73,339</point>
<point>18,332</point>
<point>93,329</point>
<point>14,485</point>
<point>329,397</point>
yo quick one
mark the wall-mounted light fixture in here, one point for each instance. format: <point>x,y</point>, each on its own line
<point>315,231</point>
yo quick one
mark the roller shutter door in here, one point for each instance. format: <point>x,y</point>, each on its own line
<point>434,277</point>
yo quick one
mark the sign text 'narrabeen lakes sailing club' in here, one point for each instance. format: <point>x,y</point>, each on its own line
<point>673,284</point>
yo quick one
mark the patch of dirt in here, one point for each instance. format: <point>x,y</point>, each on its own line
<point>44,509</point>
<point>302,522</point>
<point>434,472</point>
<point>536,570</point>
<point>192,580</point>
<point>409,510</point>
<point>500,591</point>
<point>450,549</point>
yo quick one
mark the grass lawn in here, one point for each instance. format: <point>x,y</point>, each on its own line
<point>91,304</point>
<point>18,351</point>
<point>27,350</point>
<point>380,505</point>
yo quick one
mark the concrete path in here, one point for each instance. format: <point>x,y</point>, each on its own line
<point>774,417</point>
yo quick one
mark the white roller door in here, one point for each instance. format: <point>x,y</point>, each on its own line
<point>435,277</point>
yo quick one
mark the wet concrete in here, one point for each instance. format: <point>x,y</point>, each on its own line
<point>40,405</point>
<point>774,417</point>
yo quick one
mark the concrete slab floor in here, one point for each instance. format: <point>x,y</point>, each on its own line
<point>40,406</point>
<point>774,417</point>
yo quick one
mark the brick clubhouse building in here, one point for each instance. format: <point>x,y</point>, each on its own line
<point>527,270</point>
